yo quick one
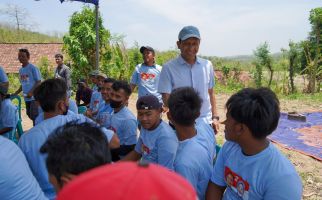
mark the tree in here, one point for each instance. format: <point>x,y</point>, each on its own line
<point>293,58</point>
<point>18,16</point>
<point>80,42</point>
<point>264,59</point>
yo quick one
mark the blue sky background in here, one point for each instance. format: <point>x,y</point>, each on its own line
<point>230,27</point>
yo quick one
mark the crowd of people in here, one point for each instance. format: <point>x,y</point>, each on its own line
<point>67,155</point>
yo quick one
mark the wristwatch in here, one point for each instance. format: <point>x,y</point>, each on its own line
<point>215,117</point>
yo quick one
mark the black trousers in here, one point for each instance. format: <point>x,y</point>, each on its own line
<point>122,151</point>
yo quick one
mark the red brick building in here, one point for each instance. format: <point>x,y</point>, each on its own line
<point>9,54</point>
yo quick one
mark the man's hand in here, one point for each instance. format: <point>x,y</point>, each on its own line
<point>215,125</point>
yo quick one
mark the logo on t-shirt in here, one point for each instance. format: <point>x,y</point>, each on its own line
<point>146,76</point>
<point>24,77</point>
<point>145,149</point>
<point>236,183</point>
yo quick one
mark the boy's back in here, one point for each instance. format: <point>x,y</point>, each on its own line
<point>192,162</point>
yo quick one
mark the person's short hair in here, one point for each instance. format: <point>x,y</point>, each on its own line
<point>184,105</point>
<point>258,109</point>
<point>58,55</point>
<point>109,80</point>
<point>117,85</point>
<point>25,51</point>
<point>75,148</point>
<point>49,92</point>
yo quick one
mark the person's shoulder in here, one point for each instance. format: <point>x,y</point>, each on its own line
<point>279,161</point>
<point>171,62</point>
<point>166,130</point>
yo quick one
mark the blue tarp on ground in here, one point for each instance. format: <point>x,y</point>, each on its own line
<point>288,134</point>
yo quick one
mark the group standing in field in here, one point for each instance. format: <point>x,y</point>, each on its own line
<point>174,127</point>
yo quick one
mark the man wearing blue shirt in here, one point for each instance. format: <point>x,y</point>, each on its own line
<point>105,110</point>
<point>4,79</point>
<point>193,160</point>
<point>30,78</point>
<point>146,75</point>
<point>81,147</point>
<point>17,181</point>
<point>188,70</point>
<point>96,98</point>
<point>122,122</point>
<point>157,142</point>
<point>248,165</point>
<point>53,99</point>
<point>8,113</point>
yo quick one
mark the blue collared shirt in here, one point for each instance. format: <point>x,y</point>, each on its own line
<point>178,73</point>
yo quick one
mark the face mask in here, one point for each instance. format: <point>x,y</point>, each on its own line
<point>65,113</point>
<point>115,104</point>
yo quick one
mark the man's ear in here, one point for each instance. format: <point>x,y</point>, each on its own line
<point>66,178</point>
<point>178,44</point>
<point>239,128</point>
<point>169,117</point>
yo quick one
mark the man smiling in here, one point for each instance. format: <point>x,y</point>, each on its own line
<point>157,142</point>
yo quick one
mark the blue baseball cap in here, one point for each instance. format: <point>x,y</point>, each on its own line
<point>189,32</point>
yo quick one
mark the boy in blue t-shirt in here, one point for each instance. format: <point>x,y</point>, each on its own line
<point>30,78</point>
<point>73,149</point>
<point>52,97</point>
<point>193,160</point>
<point>4,79</point>
<point>146,75</point>
<point>105,109</point>
<point>8,113</point>
<point>122,121</point>
<point>248,165</point>
<point>157,142</point>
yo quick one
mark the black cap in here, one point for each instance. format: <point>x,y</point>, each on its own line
<point>82,80</point>
<point>147,48</point>
<point>148,102</point>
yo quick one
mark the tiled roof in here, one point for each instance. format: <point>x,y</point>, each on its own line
<point>9,54</point>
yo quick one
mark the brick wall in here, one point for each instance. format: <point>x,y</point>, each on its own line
<point>9,54</point>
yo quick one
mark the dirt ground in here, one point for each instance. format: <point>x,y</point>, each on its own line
<point>309,169</point>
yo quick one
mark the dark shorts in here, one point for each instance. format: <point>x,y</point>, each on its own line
<point>32,110</point>
<point>122,151</point>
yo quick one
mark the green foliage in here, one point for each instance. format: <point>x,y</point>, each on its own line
<point>81,40</point>
<point>264,59</point>
<point>165,56</point>
<point>14,82</point>
<point>45,68</point>
<point>258,74</point>
<point>225,70</point>
<point>9,34</point>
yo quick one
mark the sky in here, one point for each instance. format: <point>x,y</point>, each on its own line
<point>227,27</point>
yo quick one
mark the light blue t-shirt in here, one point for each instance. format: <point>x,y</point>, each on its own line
<point>41,117</point>
<point>193,163</point>
<point>158,146</point>
<point>266,175</point>
<point>31,142</point>
<point>124,124</point>
<point>104,113</point>
<point>17,181</point>
<point>72,109</point>
<point>178,73</point>
<point>29,75</point>
<point>206,137</point>
<point>3,76</point>
<point>8,116</point>
<point>96,100</point>
<point>147,80</point>
<point>73,106</point>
